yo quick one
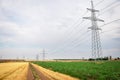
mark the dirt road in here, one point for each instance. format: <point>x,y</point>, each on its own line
<point>45,74</point>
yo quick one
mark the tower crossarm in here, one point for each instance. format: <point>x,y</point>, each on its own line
<point>97,19</point>
<point>93,19</point>
<point>94,28</point>
<point>92,10</point>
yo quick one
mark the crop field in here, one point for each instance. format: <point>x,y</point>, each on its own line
<point>105,70</point>
<point>12,71</point>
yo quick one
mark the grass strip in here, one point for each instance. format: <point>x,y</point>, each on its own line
<point>36,76</point>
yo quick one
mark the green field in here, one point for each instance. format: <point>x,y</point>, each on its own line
<point>107,70</point>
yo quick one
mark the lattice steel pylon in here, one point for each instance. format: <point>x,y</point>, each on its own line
<point>96,42</point>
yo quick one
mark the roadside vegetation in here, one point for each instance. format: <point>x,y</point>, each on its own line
<point>101,70</point>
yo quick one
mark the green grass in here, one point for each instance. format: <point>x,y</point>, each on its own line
<point>107,70</point>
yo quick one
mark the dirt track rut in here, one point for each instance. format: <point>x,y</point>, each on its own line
<point>45,74</point>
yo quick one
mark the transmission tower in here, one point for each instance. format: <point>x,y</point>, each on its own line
<point>96,43</point>
<point>37,56</point>
<point>44,54</point>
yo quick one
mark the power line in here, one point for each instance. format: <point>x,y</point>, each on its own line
<point>77,34</point>
<point>72,46</point>
<point>87,11</point>
<point>69,41</point>
<point>73,27</point>
<point>67,34</point>
<point>109,5</point>
<point>109,22</point>
<point>102,0</point>
<point>76,26</point>
<point>109,30</point>
<point>82,20</point>
<point>79,38</point>
<point>99,3</point>
<point>103,9</point>
<point>103,32</point>
<point>81,41</point>
<point>65,45</point>
<point>71,35</point>
<point>71,32</point>
<point>67,37</point>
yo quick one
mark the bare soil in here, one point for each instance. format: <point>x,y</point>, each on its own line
<point>45,74</point>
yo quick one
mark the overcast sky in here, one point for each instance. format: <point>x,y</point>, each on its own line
<point>29,26</point>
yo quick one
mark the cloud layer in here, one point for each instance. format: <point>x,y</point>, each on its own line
<point>28,26</point>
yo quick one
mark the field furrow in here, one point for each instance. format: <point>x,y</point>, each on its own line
<point>17,71</point>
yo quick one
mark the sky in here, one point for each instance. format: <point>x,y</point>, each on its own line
<point>29,26</point>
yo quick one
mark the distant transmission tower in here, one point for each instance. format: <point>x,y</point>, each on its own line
<point>96,43</point>
<point>37,56</point>
<point>44,54</point>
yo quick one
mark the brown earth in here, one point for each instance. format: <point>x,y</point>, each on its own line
<point>46,74</point>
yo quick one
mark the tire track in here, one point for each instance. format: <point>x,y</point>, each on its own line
<point>34,73</point>
<point>29,73</point>
<point>19,74</point>
<point>10,72</point>
<point>46,74</point>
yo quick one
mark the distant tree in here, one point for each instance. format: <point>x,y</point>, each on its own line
<point>118,58</point>
<point>91,59</point>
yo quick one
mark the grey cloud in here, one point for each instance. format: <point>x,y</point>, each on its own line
<point>48,24</point>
